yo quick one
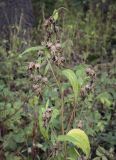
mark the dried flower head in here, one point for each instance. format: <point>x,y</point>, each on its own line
<point>49,45</point>
<point>44,79</point>
<point>37,66</point>
<point>31,65</point>
<point>46,117</point>
<point>90,72</point>
<point>80,124</point>
<point>53,49</point>
<point>58,46</point>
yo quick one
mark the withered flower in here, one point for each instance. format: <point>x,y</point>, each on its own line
<point>44,79</point>
<point>49,44</point>
<point>37,66</point>
<point>90,72</point>
<point>58,46</point>
<point>46,116</point>
<point>31,65</point>
<point>80,124</point>
<point>53,49</point>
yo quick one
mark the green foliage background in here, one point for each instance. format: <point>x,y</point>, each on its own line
<point>87,36</point>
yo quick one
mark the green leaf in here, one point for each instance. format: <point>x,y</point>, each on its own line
<point>78,138</point>
<point>43,130</point>
<point>97,158</point>
<point>70,75</point>
<point>11,156</point>
<point>105,98</point>
<point>81,75</point>
<point>68,138</point>
<point>100,151</point>
<point>33,101</point>
<point>19,137</point>
<point>47,104</point>
<point>9,142</point>
<point>104,158</point>
<point>55,15</point>
<point>46,69</point>
<point>55,113</point>
<point>73,154</point>
<point>32,49</point>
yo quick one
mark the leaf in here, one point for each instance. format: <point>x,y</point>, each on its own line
<point>80,134</point>
<point>32,49</point>
<point>70,75</point>
<point>100,151</point>
<point>55,15</point>
<point>19,138</point>
<point>11,156</point>
<point>81,75</point>
<point>9,143</point>
<point>43,130</point>
<point>55,113</point>
<point>73,154</point>
<point>78,138</point>
<point>46,69</point>
<point>105,98</point>
<point>65,138</point>
<point>33,101</point>
<point>47,104</point>
<point>97,158</point>
<point>104,158</point>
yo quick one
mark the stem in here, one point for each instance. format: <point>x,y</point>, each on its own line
<point>62,97</point>
<point>62,107</point>
<point>62,111</point>
<point>53,73</point>
<point>73,114</point>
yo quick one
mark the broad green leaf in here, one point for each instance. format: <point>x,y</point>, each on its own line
<point>43,130</point>
<point>55,15</point>
<point>68,138</point>
<point>97,158</point>
<point>46,69</point>
<point>9,142</point>
<point>104,158</point>
<point>19,137</point>
<point>81,75</point>
<point>55,113</point>
<point>32,49</point>
<point>73,154</point>
<point>80,134</point>
<point>78,138</point>
<point>47,104</point>
<point>11,156</point>
<point>100,151</point>
<point>70,75</point>
<point>105,98</point>
<point>33,101</point>
<point>71,158</point>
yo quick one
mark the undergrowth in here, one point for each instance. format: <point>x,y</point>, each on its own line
<point>65,82</point>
